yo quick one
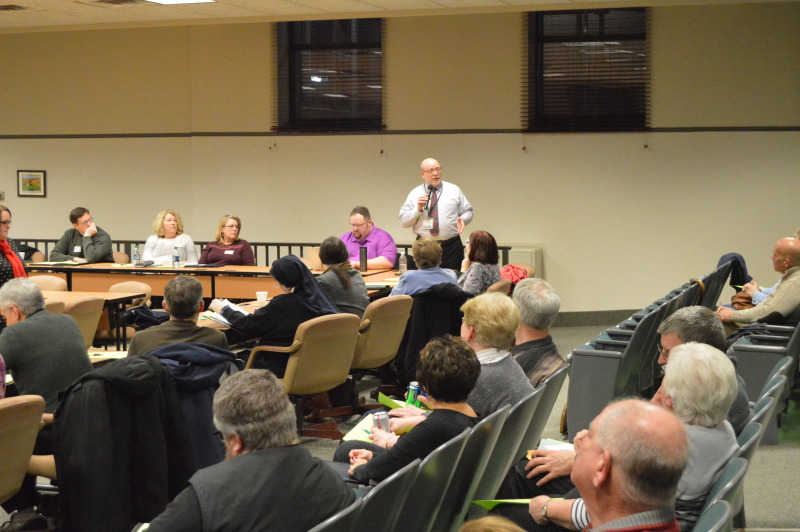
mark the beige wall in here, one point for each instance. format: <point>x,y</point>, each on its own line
<point>623,218</point>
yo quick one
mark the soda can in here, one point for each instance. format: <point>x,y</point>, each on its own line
<point>381,421</point>
<point>412,397</point>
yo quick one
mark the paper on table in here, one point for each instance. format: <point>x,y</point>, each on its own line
<point>60,263</point>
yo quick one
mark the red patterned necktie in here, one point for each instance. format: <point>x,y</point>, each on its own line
<point>434,212</point>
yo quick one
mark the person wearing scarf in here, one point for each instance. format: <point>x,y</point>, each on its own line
<point>11,265</point>
<point>276,323</point>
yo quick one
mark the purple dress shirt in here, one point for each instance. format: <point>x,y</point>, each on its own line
<point>379,243</point>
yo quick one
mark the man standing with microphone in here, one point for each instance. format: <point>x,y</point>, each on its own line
<point>438,209</point>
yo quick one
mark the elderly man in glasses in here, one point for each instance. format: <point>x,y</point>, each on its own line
<point>85,242</point>
<point>440,210</point>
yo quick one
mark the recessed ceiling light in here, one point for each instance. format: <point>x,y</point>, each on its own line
<point>171,2</point>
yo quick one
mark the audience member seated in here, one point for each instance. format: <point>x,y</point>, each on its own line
<point>447,371</point>
<point>183,300</point>
<point>700,324</point>
<point>479,269</point>
<point>160,247</point>
<point>490,322</point>
<point>228,249</point>
<point>268,481</point>
<point>85,242</point>
<point>381,249</point>
<point>44,353</point>
<point>535,350</point>
<point>782,305</point>
<point>10,264</point>
<point>427,254</point>
<point>341,281</point>
<point>275,324</point>
<point>699,387</point>
<point>624,488</point>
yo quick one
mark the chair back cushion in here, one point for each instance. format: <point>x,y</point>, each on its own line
<point>86,312</point>
<point>49,283</point>
<point>19,425</point>
<point>134,286</point>
<point>385,321</point>
<point>323,360</point>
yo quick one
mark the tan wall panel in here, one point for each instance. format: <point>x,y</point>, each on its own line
<point>110,81</point>
<point>732,65</point>
<point>231,77</point>
<point>453,72</point>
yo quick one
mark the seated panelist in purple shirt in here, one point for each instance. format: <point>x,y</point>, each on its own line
<point>228,248</point>
<point>381,249</point>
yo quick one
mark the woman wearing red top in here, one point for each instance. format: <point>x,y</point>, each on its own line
<point>228,249</point>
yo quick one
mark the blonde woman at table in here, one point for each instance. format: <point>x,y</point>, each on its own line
<point>168,228</point>
<point>228,248</point>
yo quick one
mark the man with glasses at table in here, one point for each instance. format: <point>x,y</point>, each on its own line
<point>440,210</point>
<point>381,249</point>
<point>85,243</point>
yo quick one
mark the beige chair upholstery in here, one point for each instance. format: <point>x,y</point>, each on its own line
<point>104,331</point>
<point>319,360</point>
<point>38,256</point>
<point>381,331</point>
<point>120,257</point>
<point>19,424</point>
<point>50,283</point>
<point>86,312</point>
<point>134,286</point>
<point>55,307</point>
<point>311,258</point>
<point>503,286</point>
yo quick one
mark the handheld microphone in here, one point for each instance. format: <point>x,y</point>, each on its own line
<point>430,191</point>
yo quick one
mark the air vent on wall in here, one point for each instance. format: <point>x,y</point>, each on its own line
<point>11,7</point>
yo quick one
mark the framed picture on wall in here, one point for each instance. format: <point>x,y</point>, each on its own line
<point>32,183</point>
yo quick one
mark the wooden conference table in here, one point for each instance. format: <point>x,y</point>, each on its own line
<point>231,282</point>
<point>226,281</point>
<point>115,302</point>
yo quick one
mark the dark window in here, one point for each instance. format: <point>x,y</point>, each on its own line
<point>329,75</point>
<point>588,71</point>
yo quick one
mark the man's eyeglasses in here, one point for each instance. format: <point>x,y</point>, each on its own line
<point>433,170</point>
<point>7,223</point>
<point>359,226</point>
<point>87,222</point>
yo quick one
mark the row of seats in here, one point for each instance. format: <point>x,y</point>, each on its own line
<point>435,493</point>
<point>622,361</point>
<point>724,508</point>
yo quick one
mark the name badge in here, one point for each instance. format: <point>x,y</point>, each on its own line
<point>76,249</point>
<point>228,252</point>
<point>428,224</point>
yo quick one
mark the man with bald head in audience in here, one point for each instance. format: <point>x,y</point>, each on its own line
<point>782,305</point>
<point>622,486</point>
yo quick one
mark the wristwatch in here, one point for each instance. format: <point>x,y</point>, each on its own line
<point>544,510</point>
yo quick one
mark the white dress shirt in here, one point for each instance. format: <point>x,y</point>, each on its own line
<point>452,205</point>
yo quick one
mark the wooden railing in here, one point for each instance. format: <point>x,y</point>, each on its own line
<point>265,252</point>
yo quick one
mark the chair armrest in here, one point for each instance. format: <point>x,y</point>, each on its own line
<point>278,349</point>
<point>365,325</point>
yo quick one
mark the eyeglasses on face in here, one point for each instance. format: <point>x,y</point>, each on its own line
<point>85,223</point>
<point>7,223</point>
<point>359,226</point>
<point>435,170</point>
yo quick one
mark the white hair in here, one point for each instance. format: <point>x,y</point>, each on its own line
<point>701,381</point>
<point>537,302</point>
